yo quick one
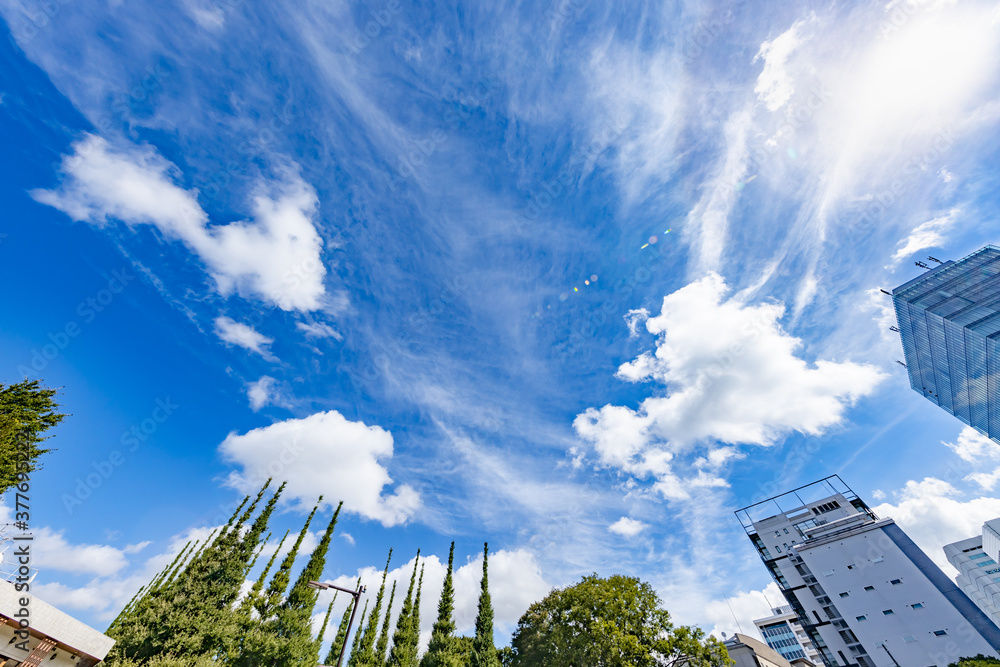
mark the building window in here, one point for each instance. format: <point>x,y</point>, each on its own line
<point>861,618</point>
<point>878,560</point>
<point>909,639</point>
<point>888,612</point>
<point>896,582</point>
<point>975,556</point>
<point>786,530</point>
<point>844,594</point>
<point>777,548</point>
<point>917,605</point>
<point>986,563</point>
<point>777,533</point>
<point>940,633</point>
<point>869,588</point>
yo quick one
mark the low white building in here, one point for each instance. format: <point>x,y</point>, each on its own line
<point>783,632</point>
<point>976,560</point>
<point>864,593</point>
<point>54,638</point>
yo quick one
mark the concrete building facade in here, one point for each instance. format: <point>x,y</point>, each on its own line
<point>783,633</point>
<point>976,560</point>
<point>864,593</point>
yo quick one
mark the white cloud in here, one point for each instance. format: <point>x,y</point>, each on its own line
<point>275,257</point>
<point>633,319</point>
<point>731,375</point>
<point>932,514</point>
<point>52,552</point>
<point>740,611</point>
<point>929,234</point>
<point>136,548</point>
<point>261,392</point>
<point>973,446</point>
<point>627,527</point>
<point>323,453</point>
<point>318,330</point>
<point>236,333</point>
<point>775,85</point>
<point>347,537</point>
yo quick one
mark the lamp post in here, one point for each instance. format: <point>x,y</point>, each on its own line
<point>357,595</point>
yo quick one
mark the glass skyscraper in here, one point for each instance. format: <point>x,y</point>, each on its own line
<point>949,321</point>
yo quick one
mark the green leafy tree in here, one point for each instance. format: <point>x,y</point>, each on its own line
<point>484,651</point>
<point>440,651</point>
<point>27,411</point>
<point>976,661</point>
<point>354,655</point>
<point>612,622</point>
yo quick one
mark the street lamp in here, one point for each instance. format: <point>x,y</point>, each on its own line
<point>357,595</point>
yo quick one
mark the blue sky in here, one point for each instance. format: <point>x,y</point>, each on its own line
<point>576,279</point>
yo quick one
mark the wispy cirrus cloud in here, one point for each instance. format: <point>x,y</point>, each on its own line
<point>243,335</point>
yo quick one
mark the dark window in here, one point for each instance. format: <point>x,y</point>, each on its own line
<point>844,595</point>
<point>896,582</point>
<point>940,633</point>
<point>869,588</point>
<point>888,612</point>
<point>917,605</point>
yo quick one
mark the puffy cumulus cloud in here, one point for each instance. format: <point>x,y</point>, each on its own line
<point>275,257</point>
<point>260,392</point>
<point>732,376</point>
<point>974,447</point>
<point>627,527</point>
<point>929,234</point>
<point>243,335</point>
<point>327,454</point>
<point>515,577</point>
<point>53,552</point>
<point>932,513</point>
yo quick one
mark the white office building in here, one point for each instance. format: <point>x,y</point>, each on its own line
<point>783,633</point>
<point>864,593</point>
<point>976,560</point>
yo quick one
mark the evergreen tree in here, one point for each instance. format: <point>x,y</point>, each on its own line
<point>484,652</point>
<point>383,636</point>
<point>405,640</point>
<point>253,599</point>
<point>439,651</point>
<point>415,619</point>
<point>26,411</point>
<point>366,650</point>
<point>190,616</point>
<point>326,622</point>
<point>279,582</point>
<point>293,622</point>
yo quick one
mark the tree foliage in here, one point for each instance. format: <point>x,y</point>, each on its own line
<point>612,622</point>
<point>441,651</point>
<point>976,661</point>
<point>27,410</point>
<point>484,651</point>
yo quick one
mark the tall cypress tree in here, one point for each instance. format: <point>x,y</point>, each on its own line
<point>484,651</point>
<point>279,582</point>
<point>404,640</point>
<point>190,616</point>
<point>294,617</point>
<point>326,622</point>
<point>383,636</point>
<point>338,643</point>
<point>415,618</point>
<point>253,599</point>
<point>439,651</point>
<point>366,651</point>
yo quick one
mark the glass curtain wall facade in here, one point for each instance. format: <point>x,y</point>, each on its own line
<point>949,321</point>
